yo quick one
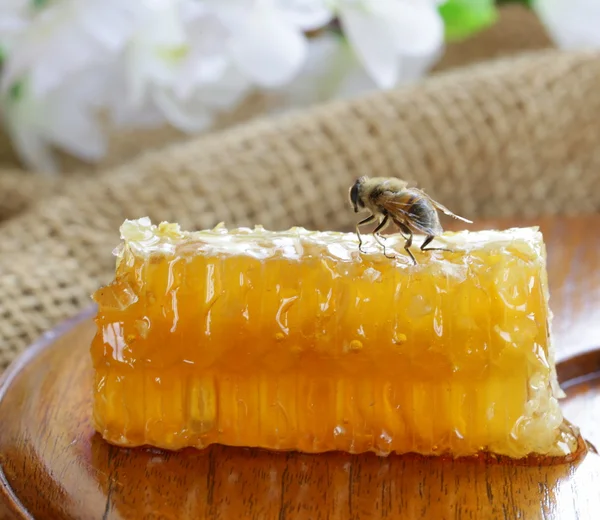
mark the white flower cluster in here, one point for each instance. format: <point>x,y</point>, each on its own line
<point>182,62</point>
<point>141,63</point>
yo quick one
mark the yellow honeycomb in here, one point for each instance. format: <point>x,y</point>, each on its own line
<point>295,340</point>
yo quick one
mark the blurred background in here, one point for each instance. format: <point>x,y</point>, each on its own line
<point>86,84</point>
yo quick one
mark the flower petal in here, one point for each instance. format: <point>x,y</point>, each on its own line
<point>14,19</point>
<point>571,23</point>
<point>417,27</point>
<point>190,116</point>
<point>268,48</point>
<point>415,67</point>
<point>233,13</point>
<point>373,40</point>
<point>227,92</point>
<point>33,150</point>
<point>199,71</point>
<point>74,129</point>
<point>207,59</point>
<point>157,49</point>
<point>20,118</point>
<point>66,37</point>
<point>382,31</point>
<point>122,111</point>
<point>308,15</point>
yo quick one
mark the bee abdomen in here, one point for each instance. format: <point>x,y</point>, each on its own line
<point>423,213</point>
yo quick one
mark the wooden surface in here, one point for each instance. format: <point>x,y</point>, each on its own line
<point>55,467</point>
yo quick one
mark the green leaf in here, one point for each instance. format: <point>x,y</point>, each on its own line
<point>463,18</point>
<point>15,92</point>
<point>39,4</point>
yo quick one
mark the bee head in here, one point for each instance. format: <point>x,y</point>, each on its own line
<point>355,198</point>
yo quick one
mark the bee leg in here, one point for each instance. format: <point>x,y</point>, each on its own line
<point>407,245</point>
<point>428,240</point>
<point>391,257</point>
<point>376,233</point>
<point>368,220</point>
<point>382,225</point>
<point>408,236</point>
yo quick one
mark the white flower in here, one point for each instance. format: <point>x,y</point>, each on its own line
<point>176,68</point>
<point>65,37</point>
<point>267,41</point>
<point>571,23</point>
<point>333,71</point>
<point>14,18</point>
<point>196,111</point>
<point>381,32</point>
<point>309,15</point>
<point>155,49</point>
<point>147,62</point>
<point>64,118</point>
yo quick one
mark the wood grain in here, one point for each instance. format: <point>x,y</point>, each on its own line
<point>55,467</point>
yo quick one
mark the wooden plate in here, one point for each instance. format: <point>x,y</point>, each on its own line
<point>55,467</point>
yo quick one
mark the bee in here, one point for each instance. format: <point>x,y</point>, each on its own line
<point>391,200</point>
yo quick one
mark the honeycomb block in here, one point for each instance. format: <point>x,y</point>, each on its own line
<point>295,340</point>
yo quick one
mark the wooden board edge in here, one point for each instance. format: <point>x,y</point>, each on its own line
<point>13,508</point>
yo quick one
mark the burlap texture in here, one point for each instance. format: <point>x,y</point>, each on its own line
<point>517,136</point>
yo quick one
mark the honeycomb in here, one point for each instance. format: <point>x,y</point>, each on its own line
<point>295,340</point>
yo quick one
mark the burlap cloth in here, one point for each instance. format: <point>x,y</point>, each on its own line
<point>516,135</point>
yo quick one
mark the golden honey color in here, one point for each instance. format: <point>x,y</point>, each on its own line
<point>295,340</point>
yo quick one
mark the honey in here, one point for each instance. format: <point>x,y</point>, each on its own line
<point>295,340</point>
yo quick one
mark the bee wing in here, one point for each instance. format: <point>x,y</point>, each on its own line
<point>445,210</point>
<point>398,210</point>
